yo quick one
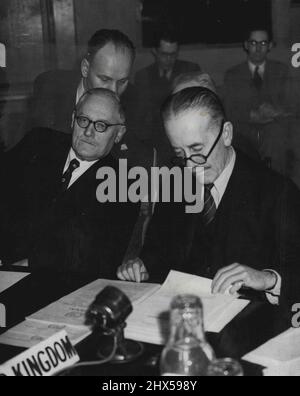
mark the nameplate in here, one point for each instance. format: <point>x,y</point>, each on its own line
<point>44,360</point>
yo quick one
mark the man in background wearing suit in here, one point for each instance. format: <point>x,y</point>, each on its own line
<point>255,94</point>
<point>154,85</point>
<point>107,64</point>
<point>49,210</point>
<point>248,233</point>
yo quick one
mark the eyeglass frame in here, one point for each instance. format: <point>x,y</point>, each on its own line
<point>184,160</point>
<point>106,124</point>
<point>263,43</point>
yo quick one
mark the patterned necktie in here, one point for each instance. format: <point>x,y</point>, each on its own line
<point>67,176</point>
<point>257,79</point>
<point>210,207</point>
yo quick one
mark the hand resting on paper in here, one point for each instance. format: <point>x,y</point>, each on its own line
<point>237,276</point>
<point>133,271</point>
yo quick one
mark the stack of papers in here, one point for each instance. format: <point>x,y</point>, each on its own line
<point>30,333</point>
<point>8,279</point>
<point>69,314</point>
<point>149,321</point>
<point>280,356</point>
<point>71,310</point>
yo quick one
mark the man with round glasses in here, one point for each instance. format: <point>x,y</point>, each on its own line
<point>49,208</point>
<point>247,234</point>
<point>257,101</point>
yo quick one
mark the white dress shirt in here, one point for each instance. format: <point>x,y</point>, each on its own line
<point>261,69</point>
<point>218,192</point>
<point>84,166</point>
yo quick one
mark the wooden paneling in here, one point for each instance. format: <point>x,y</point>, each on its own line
<point>65,32</point>
<point>21,31</point>
<point>92,15</point>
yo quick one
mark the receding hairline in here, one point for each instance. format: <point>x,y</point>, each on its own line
<point>102,93</point>
<point>117,48</point>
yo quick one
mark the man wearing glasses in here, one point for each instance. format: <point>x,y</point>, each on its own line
<point>50,211</point>
<point>256,100</point>
<point>247,234</point>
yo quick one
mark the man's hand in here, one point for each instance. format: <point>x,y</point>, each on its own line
<point>236,276</point>
<point>133,271</point>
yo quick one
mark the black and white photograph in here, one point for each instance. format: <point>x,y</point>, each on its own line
<point>149,191</point>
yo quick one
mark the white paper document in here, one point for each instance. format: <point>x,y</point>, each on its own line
<point>30,333</point>
<point>150,320</point>
<point>9,279</point>
<point>280,356</point>
<point>71,310</point>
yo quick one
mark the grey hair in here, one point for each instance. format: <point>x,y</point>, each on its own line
<point>195,98</point>
<point>194,79</point>
<point>103,93</point>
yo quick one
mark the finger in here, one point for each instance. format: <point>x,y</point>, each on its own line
<point>236,287</point>
<point>137,270</point>
<point>145,274</point>
<point>120,274</point>
<point>130,272</point>
<point>229,281</point>
<point>124,270</point>
<point>227,275</point>
<point>224,272</point>
<point>145,277</point>
<point>126,275</point>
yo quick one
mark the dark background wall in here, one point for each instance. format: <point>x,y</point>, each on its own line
<point>44,34</point>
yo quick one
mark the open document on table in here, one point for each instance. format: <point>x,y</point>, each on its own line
<point>9,279</point>
<point>149,321</point>
<point>30,333</point>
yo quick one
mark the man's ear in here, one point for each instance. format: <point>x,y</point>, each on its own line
<point>246,46</point>
<point>73,119</point>
<point>271,45</point>
<point>228,134</point>
<point>85,67</point>
<point>121,133</point>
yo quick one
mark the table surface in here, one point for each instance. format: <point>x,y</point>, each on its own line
<point>258,323</point>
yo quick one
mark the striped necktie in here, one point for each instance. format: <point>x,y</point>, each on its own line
<point>67,176</point>
<point>210,207</point>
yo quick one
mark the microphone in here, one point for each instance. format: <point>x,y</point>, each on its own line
<point>107,316</point>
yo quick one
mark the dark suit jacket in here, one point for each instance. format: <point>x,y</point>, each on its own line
<point>149,77</point>
<point>152,92</point>
<point>241,97</point>
<point>70,232</point>
<point>53,104</point>
<point>257,224</point>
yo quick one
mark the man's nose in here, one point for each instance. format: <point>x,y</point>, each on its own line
<point>113,87</point>
<point>89,131</point>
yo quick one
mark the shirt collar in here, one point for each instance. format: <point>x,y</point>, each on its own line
<point>261,68</point>
<point>83,164</point>
<point>221,183</point>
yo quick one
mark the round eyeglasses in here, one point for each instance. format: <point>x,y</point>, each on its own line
<point>255,43</point>
<point>99,126</point>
